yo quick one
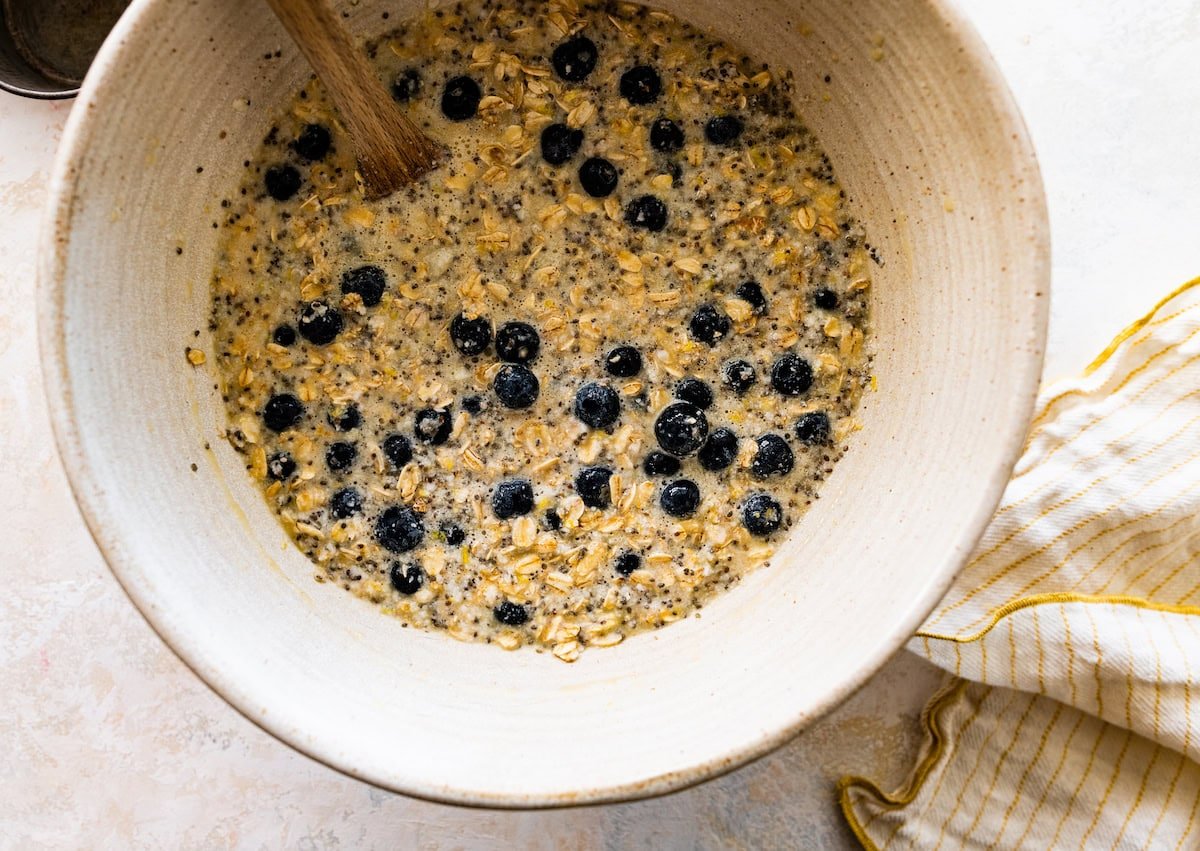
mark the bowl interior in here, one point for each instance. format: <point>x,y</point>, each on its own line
<point>928,144</point>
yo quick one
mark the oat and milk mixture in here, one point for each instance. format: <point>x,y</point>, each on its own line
<point>580,378</point>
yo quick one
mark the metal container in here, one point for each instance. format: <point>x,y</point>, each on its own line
<point>46,46</point>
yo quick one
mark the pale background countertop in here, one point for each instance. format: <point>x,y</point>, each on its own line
<point>107,740</point>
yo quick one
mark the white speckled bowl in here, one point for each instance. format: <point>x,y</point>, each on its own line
<point>933,152</point>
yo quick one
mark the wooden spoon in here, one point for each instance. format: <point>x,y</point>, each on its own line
<point>391,150</point>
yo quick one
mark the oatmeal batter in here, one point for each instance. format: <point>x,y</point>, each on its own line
<point>581,377</point>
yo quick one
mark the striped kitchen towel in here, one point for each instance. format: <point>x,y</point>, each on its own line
<point>1072,719</point>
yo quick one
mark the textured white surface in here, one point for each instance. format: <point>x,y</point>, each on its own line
<point>109,741</point>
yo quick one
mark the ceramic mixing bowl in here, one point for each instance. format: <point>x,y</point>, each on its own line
<point>932,151</point>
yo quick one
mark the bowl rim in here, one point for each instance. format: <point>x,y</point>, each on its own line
<point>89,492</point>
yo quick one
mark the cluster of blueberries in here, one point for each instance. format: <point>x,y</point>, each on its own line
<point>573,61</point>
<point>681,429</point>
<point>313,143</point>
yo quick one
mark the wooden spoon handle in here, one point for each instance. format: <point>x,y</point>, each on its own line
<point>391,150</point>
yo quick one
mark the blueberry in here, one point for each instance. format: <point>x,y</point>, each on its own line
<point>660,464</point>
<point>398,450</point>
<point>345,503</point>
<point>597,405</point>
<point>346,418</point>
<point>826,299</point>
<point>681,428</point>
<point>319,323</point>
<point>591,483</point>
<point>627,563</point>
<point>723,130</point>
<point>517,342</point>
<point>641,85</point>
<point>280,466</point>
<point>739,376</point>
<point>516,385</point>
<point>791,375</point>
<point>282,411</point>
<point>282,182</point>
<point>695,391</point>
<point>772,458</point>
<point>284,335</point>
<point>560,143</point>
<point>433,425</point>
<point>406,85</point>
<point>470,336</point>
<point>339,456</point>
<point>552,520</point>
<point>719,451</point>
<point>623,362</point>
<point>461,98</point>
<point>473,405</point>
<point>598,177</point>
<point>646,212</point>
<point>751,293</point>
<point>406,580</point>
<point>575,58</point>
<point>399,529</point>
<point>313,142</point>
<point>814,429</point>
<point>666,136</point>
<point>368,281</point>
<point>761,515</point>
<point>709,324</point>
<point>511,614</point>
<point>680,498</point>
<point>453,533</point>
<point>512,498</point>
